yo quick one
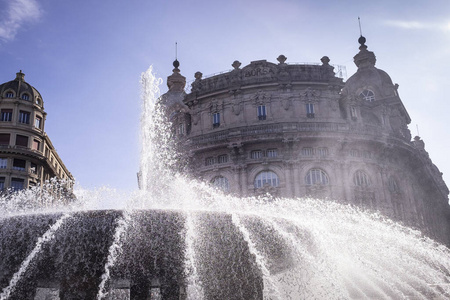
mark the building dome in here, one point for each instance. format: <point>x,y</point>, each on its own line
<point>373,79</point>
<point>18,88</point>
<point>368,80</point>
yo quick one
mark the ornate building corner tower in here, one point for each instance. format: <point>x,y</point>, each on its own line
<point>27,155</point>
<point>298,130</point>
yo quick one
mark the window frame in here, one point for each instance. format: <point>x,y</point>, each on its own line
<point>222,159</point>
<point>256,154</point>
<point>361,179</point>
<point>3,162</point>
<point>261,112</point>
<point>216,119</point>
<point>21,180</point>
<point>6,115</point>
<point>24,117</point>
<point>221,182</point>
<point>209,161</point>
<point>22,138</point>
<point>271,153</point>
<point>37,120</point>
<point>317,176</point>
<point>19,164</point>
<point>310,110</point>
<point>266,177</point>
<point>367,95</point>
<point>307,151</point>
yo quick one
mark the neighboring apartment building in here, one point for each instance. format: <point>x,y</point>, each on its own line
<point>27,155</point>
<point>296,130</point>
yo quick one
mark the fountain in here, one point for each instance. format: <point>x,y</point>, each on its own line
<point>178,238</point>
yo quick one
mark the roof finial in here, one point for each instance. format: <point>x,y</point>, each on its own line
<point>176,63</point>
<point>20,76</point>
<point>360,31</point>
<point>361,39</point>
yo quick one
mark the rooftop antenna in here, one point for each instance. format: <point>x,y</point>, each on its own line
<point>359,22</point>
<point>176,50</point>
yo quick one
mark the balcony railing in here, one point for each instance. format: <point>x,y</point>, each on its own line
<point>267,129</point>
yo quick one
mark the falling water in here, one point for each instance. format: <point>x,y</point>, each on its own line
<point>270,289</point>
<point>47,237</point>
<point>223,247</point>
<point>149,94</point>
<point>194,290</point>
<point>113,253</point>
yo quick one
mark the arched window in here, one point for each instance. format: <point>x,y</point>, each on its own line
<point>361,179</point>
<point>316,176</point>
<point>25,97</point>
<point>221,183</point>
<point>367,95</point>
<point>9,95</point>
<point>266,177</point>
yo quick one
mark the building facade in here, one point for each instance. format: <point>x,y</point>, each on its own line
<point>298,130</point>
<point>27,155</point>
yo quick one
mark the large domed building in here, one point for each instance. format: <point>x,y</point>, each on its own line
<point>298,130</point>
<point>27,155</point>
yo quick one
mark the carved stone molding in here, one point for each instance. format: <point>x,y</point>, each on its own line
<point>310,95</point>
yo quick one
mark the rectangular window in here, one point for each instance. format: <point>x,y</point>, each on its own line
<point>222,159</point>
<point>17,183</point>
<point>37,122</point>
<point>307,151</point>
<point>209,161</point>
<point>262,112</point>
<point>24,117</point>
<point>6,115</point>
<point>4,138</point>
<point>3,163</point>
<point>21,141</point>
<point>2,183</point>
<point>19,164</point>
<point>310,110</point>
<point>256,154</point>
<point>272,153</point>
<point>322,151</point>
<point>33,168</point>
<point>36,145</point>
<point>216,120</point>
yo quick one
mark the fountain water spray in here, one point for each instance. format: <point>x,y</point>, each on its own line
<point>182,234</point>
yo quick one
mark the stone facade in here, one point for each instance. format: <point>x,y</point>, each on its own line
<point>297,130</point>
<point>27,155</point>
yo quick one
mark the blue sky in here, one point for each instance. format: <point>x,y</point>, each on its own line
<point>86,57</point>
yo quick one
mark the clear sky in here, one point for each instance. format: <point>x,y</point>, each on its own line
<point>86,57</point>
